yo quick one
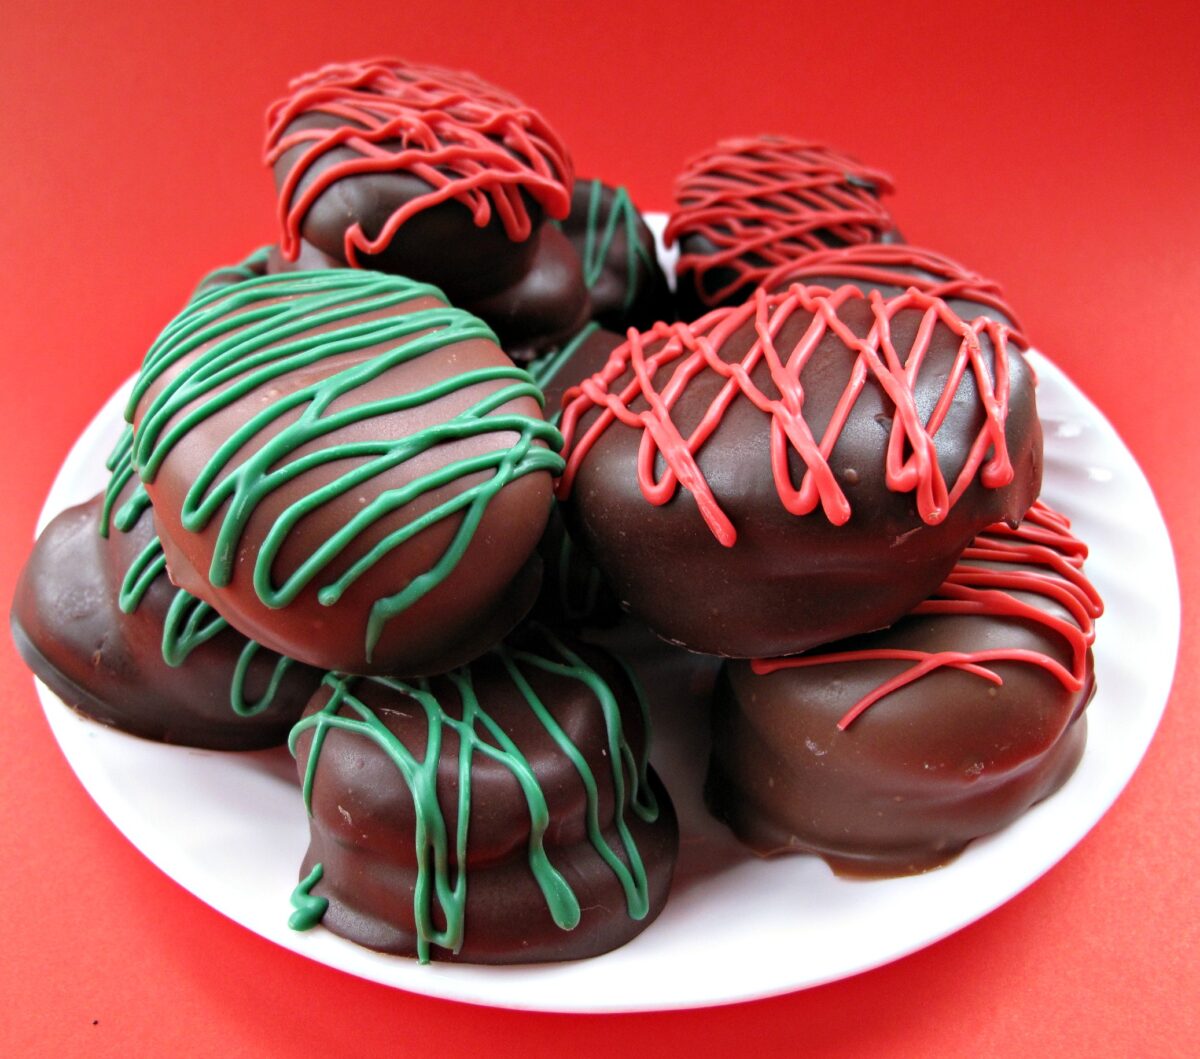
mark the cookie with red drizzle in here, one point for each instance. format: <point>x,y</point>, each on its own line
<point>432,174</point>
<point>888,753</point>
<point>892,268</point>
<point>801,468</point>
<point>750,205</point>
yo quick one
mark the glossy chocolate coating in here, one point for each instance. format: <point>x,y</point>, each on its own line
<point>967,293</point>
<point>556,374</point>
<point>922,772</point>
<point>481,599</point>
<point>541,308</point>
<point>544,307</point>
<point>574,594</point>
<point>363,821</point>
<point>694,294</point>
<point>526,282</point>
<point>109,665</point>
<point>628,288</point>
<point>793,581</point>
<point>432,245</point>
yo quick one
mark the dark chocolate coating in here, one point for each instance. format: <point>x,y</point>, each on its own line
<point>544,307</point>
<point>790,581</point>
<point>481,599</point>
<point>574,593</point>
<point>531,292</point>
<point>922,772</point>
<point>629,288</point>
<point>109,665</point>
<point>589,357</point>
<point>534,313</point>
<point>694,292</point>
<point>441,244</point>
<point>363,821</point>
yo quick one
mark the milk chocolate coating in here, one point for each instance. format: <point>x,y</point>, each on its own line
<point>793,581</point>
<point>629,288</point>
<point>363,821</point>
<point>921,773</point>
<point>109,665</point>
<point>481,599</point>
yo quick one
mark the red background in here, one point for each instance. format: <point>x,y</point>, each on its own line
<point>1054,148</point>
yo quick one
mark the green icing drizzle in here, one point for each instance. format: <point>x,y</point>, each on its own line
<point>568,556</point>
<point>189,622</point>
<point>443,887</point>
<point>544,369</point>
<point>598,242</point>
<point>308,909</point>
<point>264,328</point>
<point>120,460</point>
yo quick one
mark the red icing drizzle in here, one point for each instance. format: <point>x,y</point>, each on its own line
<point>765,201</point>
<point>466,139</point>
<point>1043,540</point>
<point>898,265</point>
<point>683,351</point>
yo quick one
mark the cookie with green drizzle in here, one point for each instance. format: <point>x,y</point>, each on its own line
<point>346,468</point>
<point>501,813</point>
<point>620,263</point>
<point>98,620</point>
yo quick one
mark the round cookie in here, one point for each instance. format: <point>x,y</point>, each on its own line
<point>620,261</point>
<point>501,813</point>
<point>434,174</point>
<point>97,619</point>
<point>749,205</point>
<point>349,470</point>
<point>801,468</point>
<point>888,753</point>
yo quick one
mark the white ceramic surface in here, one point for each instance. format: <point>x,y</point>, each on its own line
<point>231,827</point>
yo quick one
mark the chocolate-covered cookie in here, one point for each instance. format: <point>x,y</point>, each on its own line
<point>349,470</point>
<point>888,753</point>
<point>801,468</point>
<point>433,174</point>
<point>749,205</point>
<point>501,813</point>
<point>96,617</point>
<point>626,284</point>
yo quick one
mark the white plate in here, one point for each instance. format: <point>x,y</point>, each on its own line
<point>231,828</point>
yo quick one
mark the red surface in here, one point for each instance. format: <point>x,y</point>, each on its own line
<point>1054,149</point>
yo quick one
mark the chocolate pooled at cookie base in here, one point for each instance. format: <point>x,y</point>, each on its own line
<point>348,469</point>
<point>887,753</point>
<point>801,468</point>
<point>96,617</point>
<point>434,174</point>
<point>503,812</point>
<point>749,205</point>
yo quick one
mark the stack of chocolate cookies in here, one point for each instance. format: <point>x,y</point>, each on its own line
<point>381,482</point>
